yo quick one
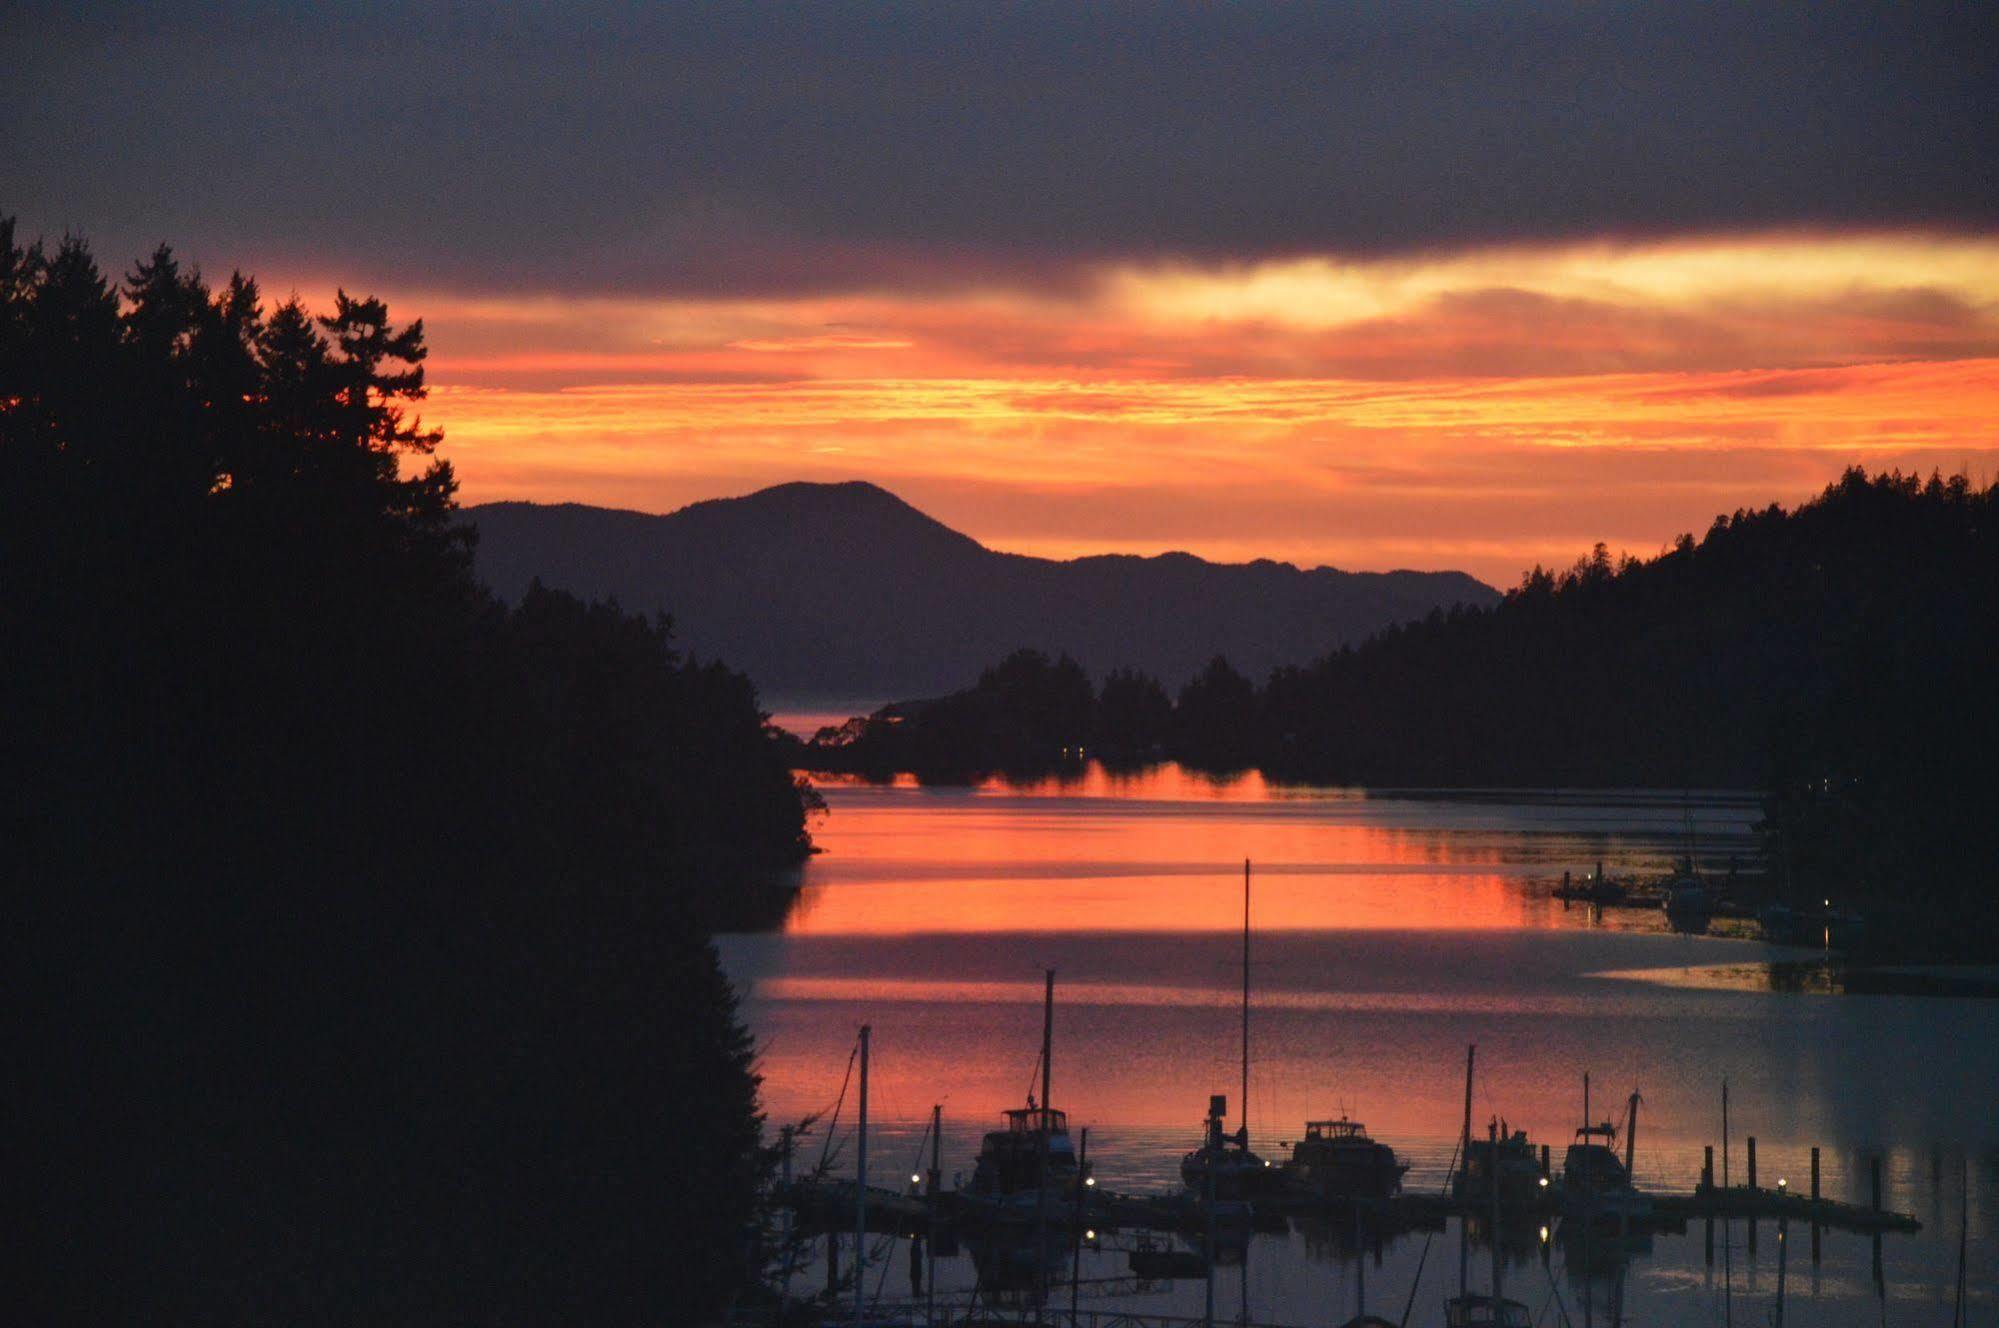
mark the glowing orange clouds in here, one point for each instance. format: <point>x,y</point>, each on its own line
<point>1485,409</point>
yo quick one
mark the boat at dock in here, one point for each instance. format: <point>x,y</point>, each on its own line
<point>1597,1190</point>
<point>1223,1167</point>
<point>1337,1160</point>
<point>1508,1157</point>
<point>1225,1162</point>
<point>1034,1152</point>
<point>1033,1157</point>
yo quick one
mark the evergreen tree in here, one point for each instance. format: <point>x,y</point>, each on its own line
<point>361,970</point>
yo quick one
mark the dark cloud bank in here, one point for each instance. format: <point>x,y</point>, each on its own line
<point>764,147</point>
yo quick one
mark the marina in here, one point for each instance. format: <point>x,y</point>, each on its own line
<point>1380,928</point>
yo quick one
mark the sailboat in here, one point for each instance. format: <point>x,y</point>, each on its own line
<point>1686,898</point>
<point>1467,1310</point>
<point>1224,1161</point>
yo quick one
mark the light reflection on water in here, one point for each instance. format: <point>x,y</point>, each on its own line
<point>1390,931</point>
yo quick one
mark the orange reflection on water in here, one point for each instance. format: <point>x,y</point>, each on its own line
<point>1161,851</point>
<point>1170,782</point>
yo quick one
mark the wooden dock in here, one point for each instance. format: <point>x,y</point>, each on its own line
<point>1741,1201</point>
<point>892,1213</point>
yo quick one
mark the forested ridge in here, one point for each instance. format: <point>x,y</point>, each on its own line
<point>1839,657</point>
<point>359,931</point>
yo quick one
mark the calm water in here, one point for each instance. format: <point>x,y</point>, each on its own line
<point>1389,932</point>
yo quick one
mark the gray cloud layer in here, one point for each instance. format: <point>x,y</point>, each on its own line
<point>765,147</point>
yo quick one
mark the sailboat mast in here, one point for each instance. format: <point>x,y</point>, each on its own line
<point>1631,1139</point>
<point>861,1185</point>
<point>1727,1226</point>
<point>1245,999</point>
<point>1464,1181</point>
<point>1047,1032</point>
<point>1493,1178</point>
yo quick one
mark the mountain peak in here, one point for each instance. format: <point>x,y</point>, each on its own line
<point>844,509</point>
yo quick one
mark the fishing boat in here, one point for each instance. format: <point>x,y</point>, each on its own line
<point>1337,1160</point>
<point>1597,1190</point>
<point>1223,1167</point>
<point>1033,1156</point>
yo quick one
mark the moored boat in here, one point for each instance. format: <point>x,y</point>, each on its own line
<point>1509,1158</point>
<point>1033,1156</point>
<point>1223,1167</point>
<point>1597,1189</point>
<point>1337,1160</point>
<point>1225,1160</point>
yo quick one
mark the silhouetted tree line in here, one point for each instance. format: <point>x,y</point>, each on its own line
<point>1841,656</point>
<point>358,951</point>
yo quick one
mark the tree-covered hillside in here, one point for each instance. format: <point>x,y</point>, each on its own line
<point>357,947</point>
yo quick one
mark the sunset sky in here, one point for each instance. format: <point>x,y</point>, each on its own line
<point>1410,285</point>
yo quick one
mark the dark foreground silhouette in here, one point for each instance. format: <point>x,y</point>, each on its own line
<point>357,960</point>
<point>1840,656</point>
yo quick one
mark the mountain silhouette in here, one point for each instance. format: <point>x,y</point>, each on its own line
<point>845,590</point>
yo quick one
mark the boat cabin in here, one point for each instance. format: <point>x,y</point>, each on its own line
<point>1338,1159</point>
<point>1011,1160</point>
<point>1335,1131</point>
<point>1033,1120</point>
<point>1592,1162</point>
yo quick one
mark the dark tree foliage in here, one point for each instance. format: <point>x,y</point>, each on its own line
<point>1028,714</point>
<point>1215,721</point>
<point>358,943</point>
<point>1701,666</point>
<point>1134,717</point>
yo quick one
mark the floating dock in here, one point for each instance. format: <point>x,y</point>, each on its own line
<point>892,1213</point>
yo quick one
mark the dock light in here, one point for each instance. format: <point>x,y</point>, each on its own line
<point>1089,1180</point>
<point>915,1179</point>
<point>1089,1235</point>
<point>1544,1182</point>
<point>1544,1235</point>
<point>1782,1184</point>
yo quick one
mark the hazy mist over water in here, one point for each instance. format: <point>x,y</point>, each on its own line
<point>1388,932</point>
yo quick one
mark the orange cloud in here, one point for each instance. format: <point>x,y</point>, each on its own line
<point>1487,409</point>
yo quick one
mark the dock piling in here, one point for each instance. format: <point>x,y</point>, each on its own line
<point>1874,1172</point>
<point>1707,1168</point>
<point>1752,1162</point>
<point>1815,1203</point>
